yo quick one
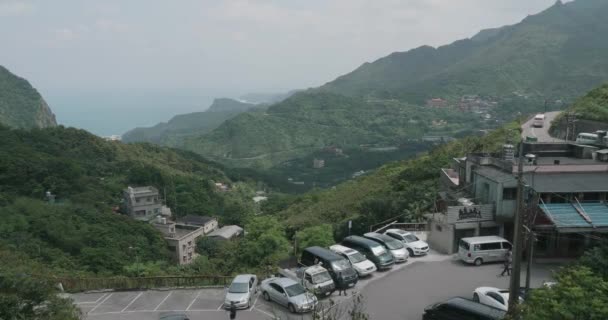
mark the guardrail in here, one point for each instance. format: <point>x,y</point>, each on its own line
<point>139,283</point>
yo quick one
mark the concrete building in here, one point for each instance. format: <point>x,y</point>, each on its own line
<point>567,186</point>
<point>226,232</point>
<point>318,163</point>
<point>143,203</point>
<point>208,224</point>
<point>181,239</point>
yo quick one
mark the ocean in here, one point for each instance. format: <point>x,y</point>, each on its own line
<point>116,113</point>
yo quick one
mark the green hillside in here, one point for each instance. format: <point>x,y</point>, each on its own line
<point>593,106</point>
<point>558,53</point>
<point>173,132</point>
<point>80,232</point>
<point>21,106</point>
<point>309,121</point>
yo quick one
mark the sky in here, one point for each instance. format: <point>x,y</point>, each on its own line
<point>210,48</point>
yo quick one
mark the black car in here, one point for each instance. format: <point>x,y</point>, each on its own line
<point>336,265</point>
<point>372,250</point>
<point>462,309</point>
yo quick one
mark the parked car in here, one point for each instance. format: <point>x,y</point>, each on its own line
<point>414,246</point>
<point>479,250</point>
<point>373,250</point>
<point>394,246</point>
<point>288,293</point>
<point>338,267</point>
<point>315,279</point>
<point>241,291</point>
<point>462,309</point>
<point>363,266</point>
<point>494,297</point>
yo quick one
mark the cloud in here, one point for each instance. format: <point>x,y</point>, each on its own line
<point>15,8</point>
<point>108,25</point>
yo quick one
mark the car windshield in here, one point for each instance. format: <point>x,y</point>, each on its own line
<point>465,245</point>
<point>295,290</point>
<point>238,287</point>
<point>378,250</point>
<point>393,244</point>
<point>321,277</point>
<point>340,265</point>
<point>411,238</point>
<point>356,257</point>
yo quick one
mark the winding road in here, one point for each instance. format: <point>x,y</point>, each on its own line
<point>542,134</point>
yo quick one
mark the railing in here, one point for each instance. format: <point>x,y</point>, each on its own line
<point>139,283</point>
<point>414,227</point>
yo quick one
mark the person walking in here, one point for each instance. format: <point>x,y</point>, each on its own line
<point>340,285</point>
<point>507,263</point>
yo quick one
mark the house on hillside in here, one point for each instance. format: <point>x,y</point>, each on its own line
<point>436,103</point>
<point>181,239</point>
<point>143,203</point>
<point>318,163</point>
<point>566,193</point>
<point>226,232</point>
<point>208,224</point>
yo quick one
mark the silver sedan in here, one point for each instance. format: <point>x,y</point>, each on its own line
<point>288,293</point>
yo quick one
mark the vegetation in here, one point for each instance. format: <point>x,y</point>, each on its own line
<point>310,121</point>
<point>21,106</point>
<point>173,132</point>
<point>594,105</point>
<point>581,291</point>
<point>549,55</point>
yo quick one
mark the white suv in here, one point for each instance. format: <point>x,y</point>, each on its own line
<point>414,246</point>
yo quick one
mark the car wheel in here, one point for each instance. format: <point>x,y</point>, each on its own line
<point>411,252</point>
<point>291,308</point>
<point>478,261</point>
<point>475,297</point>
<point>266,296</point>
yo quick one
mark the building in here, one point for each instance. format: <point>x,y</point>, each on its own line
<point>226,232</point>
<point>181,239</point>
<point>566,194</point>
<point>436,103</point>
<point>143,203</point>
<point>208,224</point>
<point>318,163</point>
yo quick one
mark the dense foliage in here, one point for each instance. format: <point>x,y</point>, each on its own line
<point>81,232</point>
<point>309,121</point>
<point>21,106</point>
<point>173,132</point>
<point>556,54</point>
<point>594,105</point>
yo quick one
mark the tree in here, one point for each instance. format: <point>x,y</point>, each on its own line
<point>597,259</point>
<point>578,294</point>
<point>265,242</point>
<point>321,235</point>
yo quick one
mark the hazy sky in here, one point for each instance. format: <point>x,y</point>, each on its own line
<point>226,45</point>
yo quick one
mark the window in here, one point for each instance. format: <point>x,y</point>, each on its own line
<point>506,245</point>
<point>438,228</point>
<point>148,199</point>
<point>463,244</point>
<point>137,200</point>
<point>509,193</point>
<point>308,278</point>
<point>491,246</point>
<point>396,236</point>
<point>496,297</point>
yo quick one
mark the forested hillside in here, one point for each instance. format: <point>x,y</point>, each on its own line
<point>21,106</point>
<point>173,132</point>
<point>593,106</point>
<point>81,232</point>
<point>556,54</point>
<point>309,121</point>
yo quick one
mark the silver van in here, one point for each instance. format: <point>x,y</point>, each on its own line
<point>478,250</point>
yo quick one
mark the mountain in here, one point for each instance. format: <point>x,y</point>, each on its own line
<point>593,106</point>
<point>309,121</point>
<point>21,106</point>
<point>170,133</point>
<point>80,232</point>
<point>267,98</point>
<point>558,53</point>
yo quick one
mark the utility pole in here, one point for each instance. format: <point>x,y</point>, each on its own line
<point>517,232</point>
<point>531,237</point>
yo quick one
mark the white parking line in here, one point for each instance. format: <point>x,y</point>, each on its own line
<point>91,302</point>
<point>191,303</point>
<point>256,301</point>
<point>104,300</point>
<point>220,307</point>
<point>130,303</point>
<point>266,313</point>
<point>163,300</point>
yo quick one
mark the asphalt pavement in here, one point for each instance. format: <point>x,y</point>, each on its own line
<point>542,134</point>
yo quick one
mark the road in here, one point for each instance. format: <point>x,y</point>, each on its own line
<point>400,294</point>
<point>542,134</point>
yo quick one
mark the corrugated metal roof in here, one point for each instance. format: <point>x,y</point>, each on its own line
<point>568,182</point>
<point>567,215</point>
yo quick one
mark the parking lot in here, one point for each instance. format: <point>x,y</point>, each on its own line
<point>401,293</point>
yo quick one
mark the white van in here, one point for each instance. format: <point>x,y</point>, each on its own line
<point>584,138</point>
<point>539,121</point>
<point>478,250</point>
<point>360,263</point>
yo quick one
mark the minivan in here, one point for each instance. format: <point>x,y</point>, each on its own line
<point>338,267</point>
<point>394,246</point>
<point>478,250</point>
<point>462,309</point>
<point>362,265</point>
<point>374,251</point>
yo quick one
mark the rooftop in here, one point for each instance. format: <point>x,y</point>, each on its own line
<point>572,216</point>
<point>227,232</point>
<point>141,190</point>
<point>194,220</point>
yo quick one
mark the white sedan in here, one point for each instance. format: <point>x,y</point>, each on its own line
<point>494,297</point>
